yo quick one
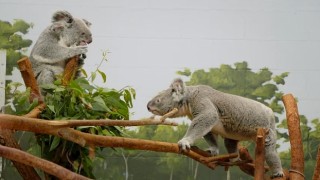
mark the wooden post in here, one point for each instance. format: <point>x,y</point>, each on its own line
<point>297,155</point>
<point>316,175</point>
<point>259,154</point>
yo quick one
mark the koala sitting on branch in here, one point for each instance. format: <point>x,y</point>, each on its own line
<point>65,38</point>
<point>215,113</point>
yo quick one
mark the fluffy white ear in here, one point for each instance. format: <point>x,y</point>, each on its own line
<point>57,27</point>
<point>178,89</point>
<point>62,16</point>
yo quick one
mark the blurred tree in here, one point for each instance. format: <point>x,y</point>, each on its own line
<point>11,39</point>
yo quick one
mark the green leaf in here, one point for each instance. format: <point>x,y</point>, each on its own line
<point>51,107</point>
<point>103,75</point>
<point>93,76</point>
<point>55,142</point>
<point>84,72</point>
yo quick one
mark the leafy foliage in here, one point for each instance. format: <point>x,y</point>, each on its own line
<point>80,99</point>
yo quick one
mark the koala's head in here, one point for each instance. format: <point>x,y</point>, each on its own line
<point>168,99</point>
<point>72,31</point>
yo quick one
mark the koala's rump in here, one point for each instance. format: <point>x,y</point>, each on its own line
<point>240,117</point>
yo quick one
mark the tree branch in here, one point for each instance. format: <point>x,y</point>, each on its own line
<point>47,166</point>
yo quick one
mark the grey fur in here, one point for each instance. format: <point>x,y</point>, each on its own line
<point>212,112</point>
<point>66,37</point>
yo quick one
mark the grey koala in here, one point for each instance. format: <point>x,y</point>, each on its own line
<point>213,113</point>
<point>66,37</point>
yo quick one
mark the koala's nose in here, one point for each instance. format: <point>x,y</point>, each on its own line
<point>148,106</point>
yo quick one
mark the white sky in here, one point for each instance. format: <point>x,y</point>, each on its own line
<point>150,40</point>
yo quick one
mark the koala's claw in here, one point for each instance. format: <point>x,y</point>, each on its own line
<point>184,145</point>
<point>213,151</point>
<point>277,175</point>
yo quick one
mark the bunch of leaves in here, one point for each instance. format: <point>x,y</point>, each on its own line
<point>20,103</point>
<point>80,99</point>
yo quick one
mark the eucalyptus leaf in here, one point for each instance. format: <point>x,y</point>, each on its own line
<point>54,144</point>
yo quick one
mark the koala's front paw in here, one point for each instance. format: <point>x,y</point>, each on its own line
<point>214,151</point>
<point>184,145</point>
<point>81,49</point>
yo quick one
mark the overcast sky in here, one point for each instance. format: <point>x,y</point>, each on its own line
<point>150,40</point>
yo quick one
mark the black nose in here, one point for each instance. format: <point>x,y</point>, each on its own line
<point>148,106</point>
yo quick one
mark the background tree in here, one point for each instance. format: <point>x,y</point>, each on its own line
<point>11,39</point>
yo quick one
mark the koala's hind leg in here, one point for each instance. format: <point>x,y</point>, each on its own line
<point>212,140</point>
<point>232,147</point>
<point>45,77</point>
<point>272,157</point>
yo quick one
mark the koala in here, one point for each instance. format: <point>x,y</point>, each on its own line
<point>66,37</point>
<point>213,113</point>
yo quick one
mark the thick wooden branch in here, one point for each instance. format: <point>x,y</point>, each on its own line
<point>85,139</point>
<point>26,171</point>
<point>297,155</point>
<point>47,166</point>
<point>316,174</point>
<point>259,154</point>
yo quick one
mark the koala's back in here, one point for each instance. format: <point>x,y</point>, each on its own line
<point>238,115</point>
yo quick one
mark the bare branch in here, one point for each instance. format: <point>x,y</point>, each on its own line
<point>30,160</point>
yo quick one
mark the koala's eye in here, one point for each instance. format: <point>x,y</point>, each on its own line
<point>158,101</point>
<point>172,90</point>
<point>82,34</point>
<point>70,20</point>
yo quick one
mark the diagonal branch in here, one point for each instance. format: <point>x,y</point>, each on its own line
<point>30,160</point>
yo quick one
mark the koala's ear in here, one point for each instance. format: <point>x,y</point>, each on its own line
<point>62,16</point>
<point>57,27</point>
<point>86,22</point>
<point>178,89</point>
